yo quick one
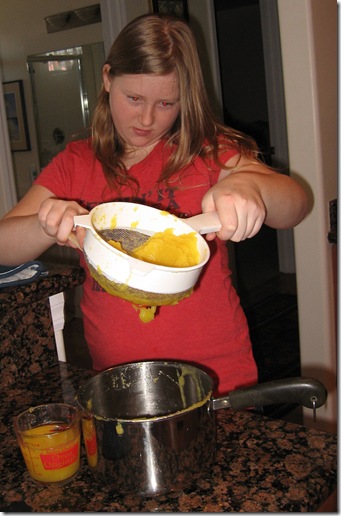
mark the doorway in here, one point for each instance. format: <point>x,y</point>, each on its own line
<point>65,86</point>
<point>247,106</point>
<point>253,102</point>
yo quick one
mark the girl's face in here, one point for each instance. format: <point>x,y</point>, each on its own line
<point>143,107</point>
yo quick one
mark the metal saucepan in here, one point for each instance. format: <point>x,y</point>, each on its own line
<point>149,427</point>
<point>136,280</point>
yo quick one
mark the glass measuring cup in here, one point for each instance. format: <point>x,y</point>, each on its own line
<point>49,439</point>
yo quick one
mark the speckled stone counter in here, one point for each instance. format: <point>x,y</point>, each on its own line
<point>27,343</point>
<point>262,465</point>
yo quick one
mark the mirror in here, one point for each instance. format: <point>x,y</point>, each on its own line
<point>65,87</point>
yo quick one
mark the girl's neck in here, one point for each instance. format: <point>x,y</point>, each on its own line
<point>134,155</point>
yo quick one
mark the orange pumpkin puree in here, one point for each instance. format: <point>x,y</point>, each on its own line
<point>165,248</point>
<point>146,313</point>
<point>162,248</point>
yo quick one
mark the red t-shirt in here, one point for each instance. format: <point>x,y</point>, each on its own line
<point>208,328</point>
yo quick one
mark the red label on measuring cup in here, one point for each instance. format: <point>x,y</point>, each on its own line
<point>62,459</point>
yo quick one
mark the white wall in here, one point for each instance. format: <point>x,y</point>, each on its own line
<point>22,33</point>
<point>201,13</point>
<point>116,14</point>
<point>309,51</point>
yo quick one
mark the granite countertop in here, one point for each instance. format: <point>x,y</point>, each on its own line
<point>27,340</point>
<point>60,277</point>
<point>262,465</point>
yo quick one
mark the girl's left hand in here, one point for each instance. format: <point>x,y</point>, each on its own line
<point>240,207</point>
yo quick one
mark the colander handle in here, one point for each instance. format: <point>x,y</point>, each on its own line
<point>204,223</point>
<point>72,237</point>
<point>83,220</point>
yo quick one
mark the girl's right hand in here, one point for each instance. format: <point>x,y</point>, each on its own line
<point>56,218</point>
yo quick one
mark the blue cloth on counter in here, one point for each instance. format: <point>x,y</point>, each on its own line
<point>25,273</point>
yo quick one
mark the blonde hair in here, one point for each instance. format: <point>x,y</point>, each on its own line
<point>160,44</point>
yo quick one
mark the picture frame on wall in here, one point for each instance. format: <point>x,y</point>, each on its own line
<point>16,116</point>
<point>173,7</point>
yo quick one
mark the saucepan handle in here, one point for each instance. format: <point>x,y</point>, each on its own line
<point>302,391</point>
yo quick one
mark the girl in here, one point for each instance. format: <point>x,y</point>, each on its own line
<point>155,141</point>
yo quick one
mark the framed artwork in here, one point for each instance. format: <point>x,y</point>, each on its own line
<point>174,7</point>
<point>16,116</point>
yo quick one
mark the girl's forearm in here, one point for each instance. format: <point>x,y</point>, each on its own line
<point>22,239</point>
<point>284,199</point>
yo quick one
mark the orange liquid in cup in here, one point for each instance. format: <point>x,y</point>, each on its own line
<point>51,451</point>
